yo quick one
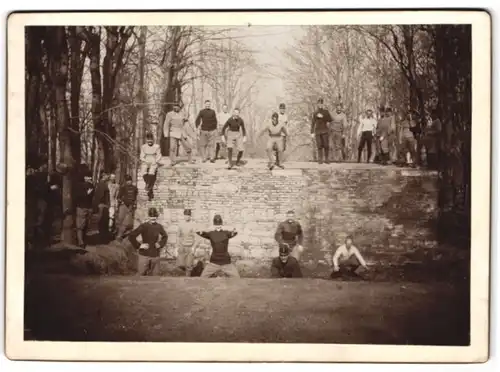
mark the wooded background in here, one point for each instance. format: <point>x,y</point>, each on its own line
<point>92,92</point>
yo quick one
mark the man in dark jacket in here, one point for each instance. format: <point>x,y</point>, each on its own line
<point>290,232</point>
<point>206,124</point>
<point>319,130</point>
<point>154,238</point>
<point>127,200</point>
<point>235,137</point>
<point>285,266</point>
<point>101,204</point>
<point>84,195</point>
<point>220,260</point>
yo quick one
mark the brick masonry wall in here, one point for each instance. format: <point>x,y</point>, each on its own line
<point>389,211</point>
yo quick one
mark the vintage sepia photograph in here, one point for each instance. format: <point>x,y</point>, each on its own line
<point>249,178</point>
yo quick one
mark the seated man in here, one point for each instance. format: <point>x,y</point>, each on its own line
<point>347,260</point>
<point>154,238</point>
<point>220,260</point>
<point>285,266</point>
<point>150,157</point>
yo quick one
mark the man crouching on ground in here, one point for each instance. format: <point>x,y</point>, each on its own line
<point>290,232</point>
<point>285,266</point>
<point>347,261</point>
<point>154,238</point>
<point>220,260</point>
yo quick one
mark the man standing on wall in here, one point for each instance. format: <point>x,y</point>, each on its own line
<point>174,128</point>
<point>277,137</point>
<point>319,130</point>
<point>285,266</point>
<point>113,188</point>
<point>150,158</point>
<point>235,137</point>
<point>407,141</point>
<point>366,129</point>
<point>222,118</point>
<point>383,134</point>
<point>337,127</point>
<point>127,201</point>
<point>220,260</point>
<point>290,232</point>
<point>101,203</point>
<point>154,238</point>
<point>206,124</point>
<point>84,195</point>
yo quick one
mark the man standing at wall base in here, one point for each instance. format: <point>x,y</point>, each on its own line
<point>206,124</point>
<point>186,243</point>
<point>84,195</point>
<point>127,200</point>
<point>220,260</point>
<point>290,232</point>
<point>319,130</point>
<point>101,203</point>
<point>113,188</point>
<point>154,238</point>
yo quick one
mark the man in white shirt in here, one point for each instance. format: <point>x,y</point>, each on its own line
<point>150,157</point>
<point>282,121</point>
<point>222,118</point>
<point>366,129</point>
<point>347,260</point>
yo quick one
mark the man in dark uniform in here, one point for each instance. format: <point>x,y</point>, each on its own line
<point>235,137</point>
<point>290,232</point>
<point>84,195</point>
<point>127,200</point>
<point>154,238</point>
<point>319,130</point>
<point>285,266</point>
<point>220,260</point>
<point>101,203</point>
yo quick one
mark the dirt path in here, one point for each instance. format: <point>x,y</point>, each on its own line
<point>246,310</point>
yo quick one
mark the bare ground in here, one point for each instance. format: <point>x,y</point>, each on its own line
<point>177,309</point>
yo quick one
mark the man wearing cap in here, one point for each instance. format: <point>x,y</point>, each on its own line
<point>319,130</point>
<point>366,129</point>
<point>285,266</point>
<point>101,203</point>
<point>84,195</point>
<point>113,188</point>
<point>154,238</point>
<point>290,232</point>
<point>383,132</point>
<point>186,243</point>
<point>127,200</point>
<point>220,260</point>
<point>206,124</point>
<point>150,157</point>
<point>337,127</point>
<point>174,128</point>
<point>407,141</point>
<point>234,135</point>
<point>222,118</point>
<point>277,135</point>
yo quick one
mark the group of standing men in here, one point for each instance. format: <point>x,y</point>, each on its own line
<point>393,141</point>
<point>114,204</point>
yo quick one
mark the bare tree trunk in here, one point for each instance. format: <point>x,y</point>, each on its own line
<point>142,124</point>
<point>59,58</point>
